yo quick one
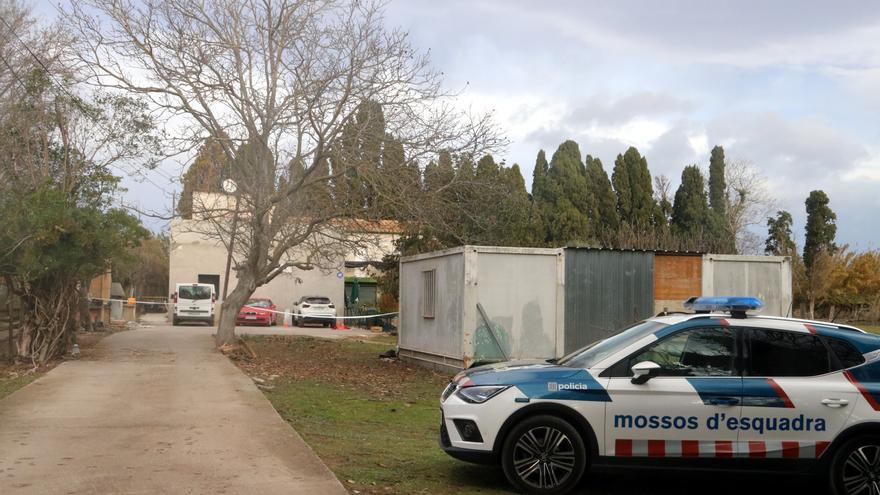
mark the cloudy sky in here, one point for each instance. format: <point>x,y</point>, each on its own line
<point>791,86</point>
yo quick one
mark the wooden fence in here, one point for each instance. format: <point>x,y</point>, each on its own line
<point>10,322</point>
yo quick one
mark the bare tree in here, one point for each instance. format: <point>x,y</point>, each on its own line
<point>57,146</point>
<point>749,205</point>
<point>282,86</point>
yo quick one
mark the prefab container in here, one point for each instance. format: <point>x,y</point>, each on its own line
<point>677,277</point>
<point>605,290</point>
<point>476,303</point>
<point>765,277</point>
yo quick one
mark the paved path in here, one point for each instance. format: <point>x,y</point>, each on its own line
<point>157,411</point>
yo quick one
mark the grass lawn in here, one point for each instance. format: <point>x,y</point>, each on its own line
<point>373,422</point>
<point>12,380</point>
<point>869,328</point>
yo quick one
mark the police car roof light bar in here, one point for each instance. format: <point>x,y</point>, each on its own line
<point>735,305</point>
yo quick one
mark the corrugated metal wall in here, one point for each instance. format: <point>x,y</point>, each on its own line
<point>604,292</point>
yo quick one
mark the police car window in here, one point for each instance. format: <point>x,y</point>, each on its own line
<point>695,352</point>
<point>782,353</point>
<point>589,356</point>
<point>847,355</point>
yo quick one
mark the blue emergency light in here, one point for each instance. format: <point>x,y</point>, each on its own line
<point>730,304</point>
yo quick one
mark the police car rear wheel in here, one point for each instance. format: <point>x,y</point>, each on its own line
<point>855,469</point>
<point>544,454</point>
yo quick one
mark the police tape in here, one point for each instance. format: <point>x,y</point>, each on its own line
<point>267,310</point>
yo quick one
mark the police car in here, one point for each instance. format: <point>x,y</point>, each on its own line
<point>718,388</point>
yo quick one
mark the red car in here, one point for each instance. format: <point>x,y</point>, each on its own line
<point>257,311</point>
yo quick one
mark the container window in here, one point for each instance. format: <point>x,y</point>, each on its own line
<point>428,293</point>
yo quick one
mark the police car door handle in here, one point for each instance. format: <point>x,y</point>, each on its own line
<point>835,402</point>
<point>723,401</point>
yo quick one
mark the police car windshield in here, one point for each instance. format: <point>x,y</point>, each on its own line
<point>592,354</point>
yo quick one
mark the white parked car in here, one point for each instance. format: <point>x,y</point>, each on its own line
<point>714,389</point>
<point>314,309</point>
<point>194,302</point>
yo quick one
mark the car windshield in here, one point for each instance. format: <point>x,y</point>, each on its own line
<point>194,292</point>
<point>592,354</point>
<point>259,303</point>
<point>317,300</point>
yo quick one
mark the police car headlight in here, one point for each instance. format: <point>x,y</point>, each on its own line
<point>480,394</point>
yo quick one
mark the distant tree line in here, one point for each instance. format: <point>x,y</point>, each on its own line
<point>574,201</point>
<point>829,281</point>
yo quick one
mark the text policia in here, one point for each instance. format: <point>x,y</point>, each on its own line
<point>759,424</point>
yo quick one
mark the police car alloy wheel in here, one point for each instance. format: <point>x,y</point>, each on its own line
<point>855,469</point>
<point>544,454</point>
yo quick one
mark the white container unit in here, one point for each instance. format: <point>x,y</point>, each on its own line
<point>766,277</point>
<point>520,291</point>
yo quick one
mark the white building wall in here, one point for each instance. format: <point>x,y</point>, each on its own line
<point>193,254</point>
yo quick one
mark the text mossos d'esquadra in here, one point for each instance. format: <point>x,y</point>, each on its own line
<point>759,424</point>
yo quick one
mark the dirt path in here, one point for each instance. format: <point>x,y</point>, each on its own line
<point>154,410</point>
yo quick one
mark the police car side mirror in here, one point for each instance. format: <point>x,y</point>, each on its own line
<point>644,371</point>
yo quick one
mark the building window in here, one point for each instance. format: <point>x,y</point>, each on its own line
<point>428,293</point>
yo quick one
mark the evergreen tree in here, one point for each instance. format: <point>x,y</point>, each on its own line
<point>487,169</point>
<point>821,227</point>
<point>205,174</point>
<point>542,204</point>
<point>604,213</point>
<point>440,173</point>
<point>539,175</point>
<point>566,185</point>
<point>514,210</point>
<point>779,240</point>
<point>717,183</point>
<point>358,156</point>
<point>394,164</point>
<point>691,217</point>
<point>635,194</point>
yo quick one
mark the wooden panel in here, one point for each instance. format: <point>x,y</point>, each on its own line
<point>676,278</point>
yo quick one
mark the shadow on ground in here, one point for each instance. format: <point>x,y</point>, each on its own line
<point>644,482</point>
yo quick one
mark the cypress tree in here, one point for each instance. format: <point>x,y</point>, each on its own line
<point>513,209</point>
<point>691,216</point>
<point>539,175</point>
<point>487,169</point>
<point>717,183</point>
<point>604,213</point>
<point>635,193</point>
<point>779,240</point>
<point>566,179</point>
<point>821,227</point>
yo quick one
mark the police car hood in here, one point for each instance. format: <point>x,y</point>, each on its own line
<point>540,380</point>
<point>511,372</point>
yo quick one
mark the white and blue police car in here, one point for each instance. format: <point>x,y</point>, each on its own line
<point>718,388</point>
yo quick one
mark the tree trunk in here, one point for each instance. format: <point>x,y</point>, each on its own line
<point>49,315</point>
<point>229,310</point>
<point>812,308</point>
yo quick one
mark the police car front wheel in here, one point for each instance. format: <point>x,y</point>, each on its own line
<point>544,455</point>
<point>855,468</point>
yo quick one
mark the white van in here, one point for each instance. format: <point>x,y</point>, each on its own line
<point>194,302</point>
